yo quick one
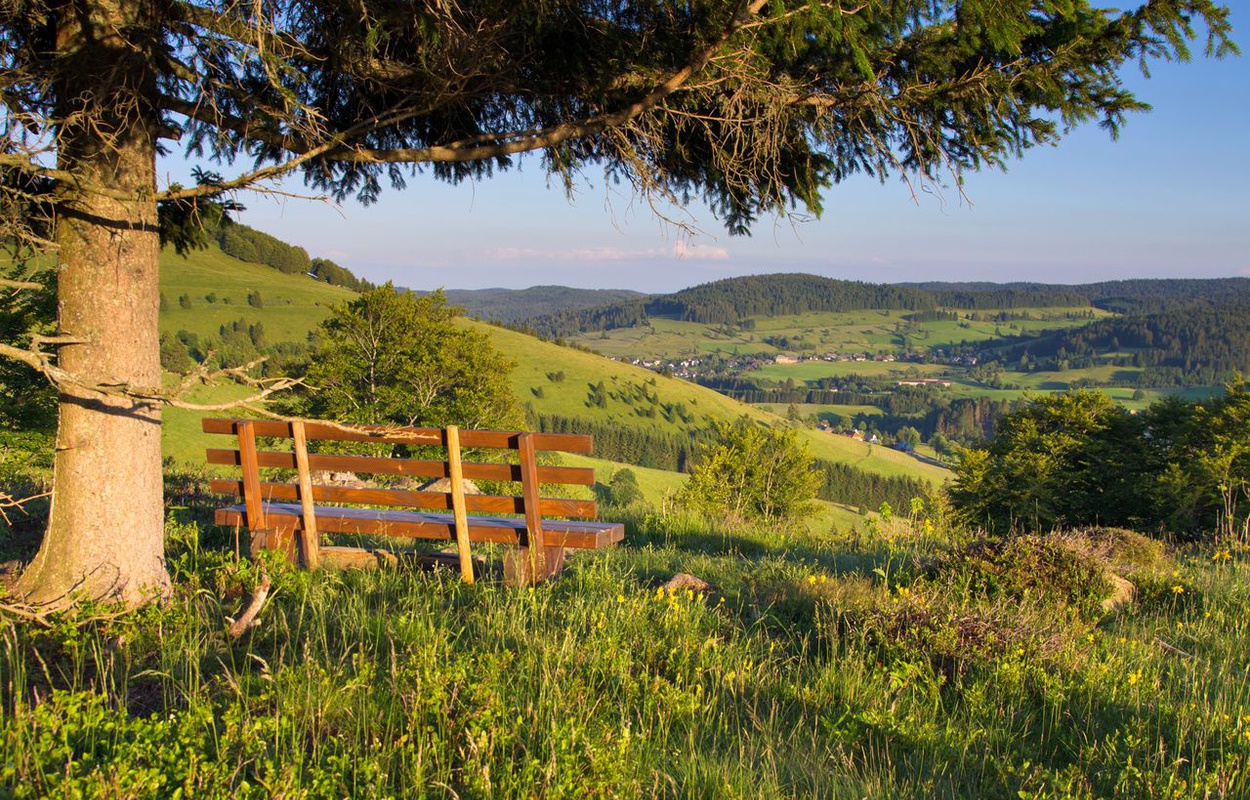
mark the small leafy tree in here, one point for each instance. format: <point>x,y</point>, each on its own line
<point>1069,458</point>
<point>623,488</point>
<point>390,357</point>
<point>753,473</point>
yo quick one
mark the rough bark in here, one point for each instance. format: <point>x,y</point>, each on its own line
<point>105,532</point>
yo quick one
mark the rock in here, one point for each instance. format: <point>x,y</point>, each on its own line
<point>444,485</point>
<point>683,580</point>
<point>1122,593</point>
<point>347,479</point>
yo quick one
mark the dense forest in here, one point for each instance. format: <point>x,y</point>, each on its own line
<point>734,300</point>
<point>1195,345</point>
<point>257,247</point>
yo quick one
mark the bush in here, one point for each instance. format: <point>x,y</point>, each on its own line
<point>753,473</point>
<point>1050,569</point>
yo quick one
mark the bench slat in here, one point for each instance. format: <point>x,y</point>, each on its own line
<point>500,440</point>
<point>424,525</point>
<point>579,476</point>
<point>491,504</point>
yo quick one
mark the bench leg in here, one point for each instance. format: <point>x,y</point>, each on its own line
<point>519,569</point>
<point>282,540</point>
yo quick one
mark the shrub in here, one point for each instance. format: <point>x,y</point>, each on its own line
<point>1049,569</point>
<point>753,473</point>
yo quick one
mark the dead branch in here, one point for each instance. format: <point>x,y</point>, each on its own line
<point>248,619</point>
<point>5,282</point>
<point>68,383</point>
<point>8,502</point>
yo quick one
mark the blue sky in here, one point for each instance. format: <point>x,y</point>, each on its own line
<point>1169,199</point>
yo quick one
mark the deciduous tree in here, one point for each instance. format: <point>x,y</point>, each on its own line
<point>390,357</point>
<point>756,106</point>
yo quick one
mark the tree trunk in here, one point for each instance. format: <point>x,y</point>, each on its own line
<point>105,532</point>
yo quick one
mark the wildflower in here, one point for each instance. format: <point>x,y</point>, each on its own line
<point>1178,589</point>
<point>730,675</point>
<point>620,598</point>
<point>1134,677</point>
<point>824,578</point>
<point>811,579</point>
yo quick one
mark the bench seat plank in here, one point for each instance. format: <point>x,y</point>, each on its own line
<point>422,525</point>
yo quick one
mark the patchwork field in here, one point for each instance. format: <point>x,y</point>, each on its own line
<point>842,332</point>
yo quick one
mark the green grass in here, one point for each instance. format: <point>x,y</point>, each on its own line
<point>293,304</point>
<point>877,665</point>
<point>182,438</point>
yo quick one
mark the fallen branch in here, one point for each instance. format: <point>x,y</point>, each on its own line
<point>1167,647</point>
<point>248,618</point>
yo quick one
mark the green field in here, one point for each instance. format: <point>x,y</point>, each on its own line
<point>864,331</point>
<point>815,370</point>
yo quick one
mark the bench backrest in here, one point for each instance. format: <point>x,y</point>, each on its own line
<point>528,473</point>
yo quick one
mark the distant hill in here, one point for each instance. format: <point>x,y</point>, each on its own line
<point>1138,296</point>
<point>510,305</point>
<point>734,301</point>
<point>1191,345</point>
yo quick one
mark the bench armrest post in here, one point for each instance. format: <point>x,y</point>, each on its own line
<point>310,541</point>
<point>252,500</point>
<point>455,475</point>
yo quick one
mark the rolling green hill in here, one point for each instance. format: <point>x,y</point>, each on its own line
<point>292,304</point>
<point>561,380</point>
<point>553,380</point>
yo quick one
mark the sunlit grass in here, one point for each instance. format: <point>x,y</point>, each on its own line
<point>814,666</point>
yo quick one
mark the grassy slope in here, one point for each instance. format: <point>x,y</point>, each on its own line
<point>295,304</point>
<point>568,397</point>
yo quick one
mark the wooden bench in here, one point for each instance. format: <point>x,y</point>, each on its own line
<point>290,516</point>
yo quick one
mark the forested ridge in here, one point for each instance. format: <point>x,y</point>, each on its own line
<point>257,247</point>
<point>736,300</point>
<point>1191,345</point>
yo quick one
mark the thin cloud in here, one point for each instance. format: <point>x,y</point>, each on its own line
<point>590,255</point>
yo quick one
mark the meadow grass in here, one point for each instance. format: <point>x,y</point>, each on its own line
<point>293,304</point>
<point>887,663</point>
